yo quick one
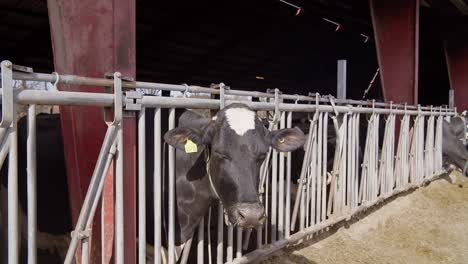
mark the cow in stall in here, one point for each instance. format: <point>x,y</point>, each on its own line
<point>223,165</point>
<point>455,149</point>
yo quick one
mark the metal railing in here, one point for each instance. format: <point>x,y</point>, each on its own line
<point>324,196</point>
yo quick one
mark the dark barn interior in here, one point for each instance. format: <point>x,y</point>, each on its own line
<point>251,45</point>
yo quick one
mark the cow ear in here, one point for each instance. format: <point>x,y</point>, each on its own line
<point>289,139</point>
<point>178,137</point>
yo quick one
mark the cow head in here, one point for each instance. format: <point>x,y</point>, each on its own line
<point>238,143</point>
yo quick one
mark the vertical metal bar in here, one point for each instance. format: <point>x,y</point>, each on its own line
<point>287,223</point>
<point>220,248</point>
<point>230,250</point>
<point>302,188</point>
<point>281,185</point>
<point>267,201</point>
<point>344,174</point>
<point>142,186</point>
<point>13,229</point>
<point>157,190</point>
<point>406,152</point>
<point>239,243</point>
<point>318,174</point>
<point>354,161</point>
<point>246,239</point>
<point>171,240</point>
<point>312,180</point>
<point>363,191</point>
<point>260,235</point>
<point>357,163</point>
<point>119,199</point>
<point>4,148</point>
<point>274,194</point>
<point>186,251</point>
<point>341,85</point>
<point>9,120</point>
<point>3,132</point>
<point>200,250</point>
<point>376,160</point>
<point>325,169</point>
<point>308,191</point>
<point>208,227</point>
<point>8,104</point>
<point>31,185</point>
<point>85,250</point>
<point>349,152</point>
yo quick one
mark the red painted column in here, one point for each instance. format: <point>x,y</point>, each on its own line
<point>90,38</point>
<point>456,51</point>
<point>396,31</point>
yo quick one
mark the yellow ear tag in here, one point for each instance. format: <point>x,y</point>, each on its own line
<point>190,146</point>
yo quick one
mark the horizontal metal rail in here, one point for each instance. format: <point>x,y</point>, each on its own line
<point>79,80</point>
<point>103,99</point>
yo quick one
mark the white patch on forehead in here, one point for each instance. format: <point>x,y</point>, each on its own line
<point>240,120</point>
<point>214,117</point>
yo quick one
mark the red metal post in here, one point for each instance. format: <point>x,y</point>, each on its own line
<point>90,38</point>
<point>396,31</point>
<point>456,53</point>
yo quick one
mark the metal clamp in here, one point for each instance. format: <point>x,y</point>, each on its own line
<point>277,115</point>
<point>81,234</point>
<point>7,94</point>
<point>118,99</point>
<point>373,106</point>
<point>222,98</point>
<point>297,98</point>
<point>57,80</point>
<point>187,88</point>
<point>133,100</point>
<point>332,102</point>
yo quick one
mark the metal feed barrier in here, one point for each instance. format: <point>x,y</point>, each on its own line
<point>323,198</point>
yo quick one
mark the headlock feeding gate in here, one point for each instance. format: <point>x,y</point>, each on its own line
<point>326,190</point>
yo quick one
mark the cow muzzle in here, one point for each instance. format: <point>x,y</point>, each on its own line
<point>247,215</point>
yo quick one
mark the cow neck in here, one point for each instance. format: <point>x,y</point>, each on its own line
<point>213,188</point>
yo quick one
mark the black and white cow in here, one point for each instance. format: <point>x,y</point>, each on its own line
<point>453,148</point>
<point>230,150</point>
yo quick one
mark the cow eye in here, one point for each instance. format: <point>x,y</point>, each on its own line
<point>221,156</point>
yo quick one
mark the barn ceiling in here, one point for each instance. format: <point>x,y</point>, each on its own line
<point>236,42</point>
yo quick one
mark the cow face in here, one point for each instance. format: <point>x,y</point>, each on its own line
<point>238,143</point>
